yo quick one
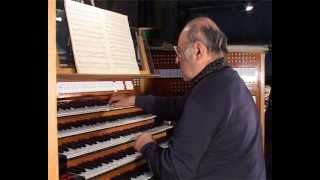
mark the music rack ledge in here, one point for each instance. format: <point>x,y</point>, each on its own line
<point>101,77</point>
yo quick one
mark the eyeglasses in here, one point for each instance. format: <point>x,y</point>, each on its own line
<point>178,51</point>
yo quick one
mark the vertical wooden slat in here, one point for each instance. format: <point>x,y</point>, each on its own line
<point>262,84</point>
<point>52,114</point>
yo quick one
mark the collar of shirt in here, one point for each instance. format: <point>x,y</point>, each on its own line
<point>210,68</point>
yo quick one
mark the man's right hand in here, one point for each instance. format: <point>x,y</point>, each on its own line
<point>122,100</point>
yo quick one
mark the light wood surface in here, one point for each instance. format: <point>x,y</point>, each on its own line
<point>52,104</point>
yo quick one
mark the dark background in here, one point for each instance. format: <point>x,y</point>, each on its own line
<point>169,17</point>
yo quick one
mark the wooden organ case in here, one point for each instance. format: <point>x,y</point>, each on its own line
<point>87,137</point>
<point>248,61</point>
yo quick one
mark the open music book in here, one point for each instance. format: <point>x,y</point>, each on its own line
<point>101,40</point>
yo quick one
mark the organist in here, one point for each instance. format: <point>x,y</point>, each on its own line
<point>217,134</point>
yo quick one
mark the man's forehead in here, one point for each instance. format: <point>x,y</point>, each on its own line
<point>183,37</point>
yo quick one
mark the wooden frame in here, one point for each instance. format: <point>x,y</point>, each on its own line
<point>262,103</point>
<point>144,58</point>
<point>258,91</point>
<point>52,104</point>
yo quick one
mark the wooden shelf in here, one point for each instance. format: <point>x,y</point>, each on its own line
<point>161,48</point>
<point>98,77</point>
<point>248,48</point>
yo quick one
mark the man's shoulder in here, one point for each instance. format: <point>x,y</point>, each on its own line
<point>215,86</point>
<point>220,80</point>
<point>218,86</point>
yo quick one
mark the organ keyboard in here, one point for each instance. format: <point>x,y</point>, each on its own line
<point>83,107</point>
<point>95,140</point>
<point>106,163</point>
<point>110,162</point>
<point>94,144</point>
<point>141,173</point>
<point>100,124</point>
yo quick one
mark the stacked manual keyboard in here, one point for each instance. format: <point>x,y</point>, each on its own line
<point>96,140</point>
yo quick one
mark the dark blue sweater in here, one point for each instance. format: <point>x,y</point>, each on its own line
<point>217,134</point>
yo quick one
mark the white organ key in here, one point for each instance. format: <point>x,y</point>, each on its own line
<point>88,109</point>
<point>159,129</point>
<point>144,176</point>
<point>90,173</point>
<point>104,125</point>
<point>71,153</point>
<point>141,177</point>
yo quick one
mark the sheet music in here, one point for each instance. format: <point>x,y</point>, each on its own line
<point>101,40</point>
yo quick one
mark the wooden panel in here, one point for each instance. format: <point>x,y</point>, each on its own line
<point>102,132</point>
<point>168,87</point>
<point>246,60</point>
<point>178,87</point>
<point>89,157</point>
<point>262,103</point>
<point>69,176</point>
<point>65,70</point>
<point>52,104</point>
<point>252,59</point>
<point>243,59</point>
<point>144,58</point>
<point>164,59</point>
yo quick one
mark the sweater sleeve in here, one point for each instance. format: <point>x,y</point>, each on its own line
<point>166,108</point>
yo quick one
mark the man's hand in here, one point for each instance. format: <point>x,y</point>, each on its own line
<point>142,140</point>
<point>122,100</point>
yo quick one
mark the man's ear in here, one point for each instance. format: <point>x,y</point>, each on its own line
<point>200,50</point>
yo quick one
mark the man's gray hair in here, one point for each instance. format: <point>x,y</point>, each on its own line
<point>214,39</point>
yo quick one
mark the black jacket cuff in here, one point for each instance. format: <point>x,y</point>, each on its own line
<point>148,149</point>
<point>146,103</point>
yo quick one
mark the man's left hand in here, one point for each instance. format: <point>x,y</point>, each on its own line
<point>142,140</point>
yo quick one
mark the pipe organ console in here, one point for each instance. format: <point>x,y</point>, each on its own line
<point>95,140</point>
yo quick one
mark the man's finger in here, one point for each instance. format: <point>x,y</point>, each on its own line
<point>114,98</point>
<point>117,104</point>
